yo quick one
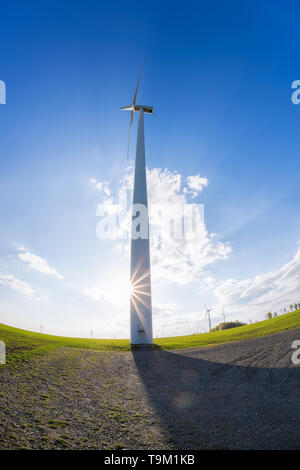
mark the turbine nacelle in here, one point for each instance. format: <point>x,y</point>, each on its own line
<point>137,107</point>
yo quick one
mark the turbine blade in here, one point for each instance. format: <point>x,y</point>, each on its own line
<point>135,95</point>
<point>130,126</point>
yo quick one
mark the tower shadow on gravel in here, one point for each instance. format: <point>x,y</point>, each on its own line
<point>206,402</point>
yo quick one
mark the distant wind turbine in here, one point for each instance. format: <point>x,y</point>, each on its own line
<point>207,315</point>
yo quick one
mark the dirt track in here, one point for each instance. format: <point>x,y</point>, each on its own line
<point>236,396</point>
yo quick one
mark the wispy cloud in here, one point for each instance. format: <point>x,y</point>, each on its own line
<point>8,280</point>
<point>170,320</point>
<point>101,186</point>
<point>106,290</point>
<point>262,293</point>
<point>37,263</point>
<point>94,293</point>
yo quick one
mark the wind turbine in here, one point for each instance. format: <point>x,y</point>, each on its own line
<point>140,274</point>
<point>134,107</point>
<point>207,315</point>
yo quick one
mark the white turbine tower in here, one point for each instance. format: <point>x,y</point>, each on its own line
<point>140,274</point>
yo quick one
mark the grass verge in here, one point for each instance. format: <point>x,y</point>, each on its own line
<point>23,344</point>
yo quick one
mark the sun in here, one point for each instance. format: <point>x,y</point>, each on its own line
<point>130,289</point>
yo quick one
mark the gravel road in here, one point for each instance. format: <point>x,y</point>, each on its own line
<point>236,396</point>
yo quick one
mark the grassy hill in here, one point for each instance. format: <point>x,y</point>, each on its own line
<point>22,344</point>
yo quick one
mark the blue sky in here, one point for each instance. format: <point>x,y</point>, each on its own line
<point>219,76</point>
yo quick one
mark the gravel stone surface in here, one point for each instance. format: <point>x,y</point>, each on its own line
<point>241,395</point>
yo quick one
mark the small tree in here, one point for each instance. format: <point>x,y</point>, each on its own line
<point>269,315</point>
<point>275,314</point>
<point>228,324</point>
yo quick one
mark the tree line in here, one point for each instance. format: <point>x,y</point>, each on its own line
<point>291,308</point>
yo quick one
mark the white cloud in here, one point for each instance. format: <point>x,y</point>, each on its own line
<point>174,260</point>
<point>37,263</point>
<point>195,184</point>
<point>8,280</point>
<point>258,295</point>
<point>101,186</point>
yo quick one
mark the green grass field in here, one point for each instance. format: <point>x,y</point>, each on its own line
<point>22,344</point>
